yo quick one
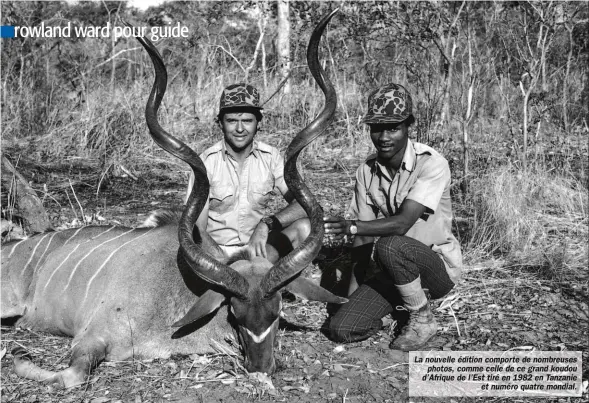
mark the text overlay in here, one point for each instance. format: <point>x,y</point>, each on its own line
<point>495,373</point>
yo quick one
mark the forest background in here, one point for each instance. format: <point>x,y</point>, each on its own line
<point>501,89</point>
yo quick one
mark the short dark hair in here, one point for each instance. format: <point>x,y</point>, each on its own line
<point>240,109</point>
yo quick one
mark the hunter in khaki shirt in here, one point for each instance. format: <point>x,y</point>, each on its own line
<point>425,178</point>
<point>243,175</point>
<point>237,202</point>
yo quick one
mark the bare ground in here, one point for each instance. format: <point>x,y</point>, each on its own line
<point>494,308</point>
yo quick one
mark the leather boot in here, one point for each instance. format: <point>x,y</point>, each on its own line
<point>421,327</point>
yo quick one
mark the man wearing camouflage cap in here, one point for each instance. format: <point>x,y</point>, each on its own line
<point>244,174</point>
<point>401,208</point>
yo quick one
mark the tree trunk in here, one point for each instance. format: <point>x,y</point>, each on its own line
<point>468,116</point>
<point>449,59</point>
<point>565,88</point>
<point>447,48</point>
<point>262,28</point>
<point>201,68</point>
<point>113,44</point>
<point>283,42</point>
<point>264,68</point>
<point>24,199</point>
<point>525,124</point>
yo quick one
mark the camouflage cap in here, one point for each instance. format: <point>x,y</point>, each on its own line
<point>388,104</point>
<point>240,96</point>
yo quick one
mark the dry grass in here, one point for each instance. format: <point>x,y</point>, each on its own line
<point>110,126</point>
<point>534,219</point>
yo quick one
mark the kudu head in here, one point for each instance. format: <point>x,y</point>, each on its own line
<point>251,287</point>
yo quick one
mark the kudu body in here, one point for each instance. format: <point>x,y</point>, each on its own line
<point>118,290</point>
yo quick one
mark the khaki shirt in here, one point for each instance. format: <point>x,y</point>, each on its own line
<point>424,177</point>
<point>237,202</point>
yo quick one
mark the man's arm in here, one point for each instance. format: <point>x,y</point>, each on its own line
<point>285,217</point>
<point>208,244</point>
<point>290,213</point>
<point>399,224</point>
<point>423,197</point>
<point>293,211</point>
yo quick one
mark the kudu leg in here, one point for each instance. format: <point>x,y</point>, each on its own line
<point>86,356</point>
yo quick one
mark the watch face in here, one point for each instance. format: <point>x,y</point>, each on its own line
<point>353,229</point>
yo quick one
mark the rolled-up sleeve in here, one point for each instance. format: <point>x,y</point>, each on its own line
<point>359,208</point>
<point>278,172</point>
<point>430,184</point>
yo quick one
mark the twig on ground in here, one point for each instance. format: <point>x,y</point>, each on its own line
<point>102,176</point>
<point>77,201</point>
<point>125,170</point>
<point>455,320</point>
<point>393,366</point>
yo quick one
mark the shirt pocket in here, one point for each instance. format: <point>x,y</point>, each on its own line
<point>221,199</point>
<point>261,193</point>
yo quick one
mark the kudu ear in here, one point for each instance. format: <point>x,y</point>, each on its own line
<point>306,289</point>
<point>209,302</point>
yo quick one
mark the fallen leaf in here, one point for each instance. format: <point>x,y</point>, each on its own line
<point>338,368</point>
<point>339,349</point>
<point>302,388</point>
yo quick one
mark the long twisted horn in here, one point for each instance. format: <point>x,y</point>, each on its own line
<point>292,264</point>
<point>201,264</point>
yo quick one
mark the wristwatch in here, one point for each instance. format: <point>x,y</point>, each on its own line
<point>272,223</point>
<point>353,228</point>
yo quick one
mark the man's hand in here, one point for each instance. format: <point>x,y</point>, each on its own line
<point>336,227</point>
<point>257,243</point>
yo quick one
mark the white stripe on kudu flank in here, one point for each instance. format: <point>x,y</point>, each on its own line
<point>14,247</point>
<point>72,237</point>
<point>261,337</point>
<point>92,251</point>
<point>44,252</point>
<point>33,254</point>
<point>108,258</point>
<point>61,264</point>
<point>71,252</point>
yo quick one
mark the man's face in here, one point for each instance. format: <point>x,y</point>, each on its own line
<point>239,129</point>
<point>389,139</point>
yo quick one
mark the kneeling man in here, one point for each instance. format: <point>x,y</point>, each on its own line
<point>402,199</point>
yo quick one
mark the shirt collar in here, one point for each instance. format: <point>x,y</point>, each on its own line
<point>410,157</point>
<point>255,151</point>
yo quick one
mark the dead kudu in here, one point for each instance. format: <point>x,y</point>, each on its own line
<point>117,291</point>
